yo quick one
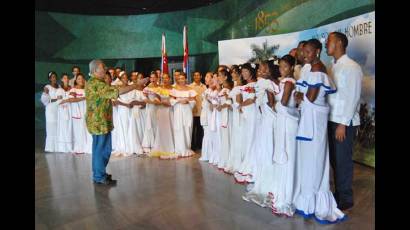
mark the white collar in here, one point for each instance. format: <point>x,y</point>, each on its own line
<point>342,59</point>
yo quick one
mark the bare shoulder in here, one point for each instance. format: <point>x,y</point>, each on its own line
<point>319,67</point>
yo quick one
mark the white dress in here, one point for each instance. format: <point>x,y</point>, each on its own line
<point>263,143</point>
<point>236,151</point>
<point>64,124</point>
<point>51,118</point>
<point>183,121</point>
<point>123,145</point>
<point>212,144</point>
<point>82,138</point>
<point>206,114</point>
<point>136,124</point>
<point>151,120</point>
<point>281,183</point>
<point>249,118</point>
<point>312,193</point>
<point>214,130</point>
<point>164,147</point>
<point>115,124</point>
<point>225,127</point>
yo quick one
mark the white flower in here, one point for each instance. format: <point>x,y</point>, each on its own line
<point>253,65</point>
<point>276,62</point>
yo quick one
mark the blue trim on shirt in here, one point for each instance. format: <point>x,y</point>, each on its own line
<point>304,84</point>
<point>303,138</point>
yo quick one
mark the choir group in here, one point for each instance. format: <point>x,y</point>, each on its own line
<point>266,124</point>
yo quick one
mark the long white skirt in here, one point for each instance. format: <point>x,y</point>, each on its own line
<point>225,136</point>
<point>249,115</point>
<point>164,138</point>
<point>136,131</point>
<point>114,130</point>
<point>236,150</point>
<point>215,139</point>
<point>122,147</point>
<point>150,127</point>
<point>64,129</point>
<point>51,127</point>
<point>264,149</point>
<point>312,193</point>
<point>183,122</point>
<point>281,186</point>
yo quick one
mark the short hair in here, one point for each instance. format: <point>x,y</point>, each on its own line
<point>94,64</point>
<point>315,43</point>
<point>118,68</point>
<point>342,37</point>
<point>178,70</point>
<point>302,43</point>
<point>72,69</point>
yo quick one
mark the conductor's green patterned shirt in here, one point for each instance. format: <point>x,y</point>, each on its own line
<point>98,97</point>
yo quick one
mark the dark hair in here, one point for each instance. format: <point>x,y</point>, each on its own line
<point>249,67</point>
<point>315,44</point>
<point>118,68</point>
<point>51,74</point>
<point>62,74</point>
<point>274,72</point>
<point>75,82</point>
<point>342,37</point>
<point>223,66</point>
<point>178,70</point>
<point>302,43</point>
<point>72,69</point>
<point>236,68</point>
<point>227,75</point>
<point>288,59</point>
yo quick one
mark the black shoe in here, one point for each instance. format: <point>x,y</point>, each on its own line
<point>106,182</point>
<point>345,206</point>
<point>109,176</point>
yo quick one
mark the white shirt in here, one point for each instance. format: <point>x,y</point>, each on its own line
<point>345,103</point>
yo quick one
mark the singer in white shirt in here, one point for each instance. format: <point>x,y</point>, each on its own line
<point>344,116</point>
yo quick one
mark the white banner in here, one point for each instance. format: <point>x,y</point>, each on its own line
<point>359,30</point>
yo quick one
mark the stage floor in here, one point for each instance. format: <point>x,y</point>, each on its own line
<point>165,194</point>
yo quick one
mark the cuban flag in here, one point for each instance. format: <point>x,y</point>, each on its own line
<point>164,58</point>
<point>185,64</point>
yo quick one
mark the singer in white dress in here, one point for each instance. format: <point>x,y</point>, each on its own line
<point>137,117</point>
<point>153,101</point>
<point>82,138</point>
<point>183,101</point>
<point>281,186</point>
<point>266,89</point>
<point>236,150</point>
<point>206,114</point>
<point>123,146</point>
<point>249,115</point>
<point>49,99</point>
<point>164,147</point>
<point>64,122</point>
<point>313,197</point>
